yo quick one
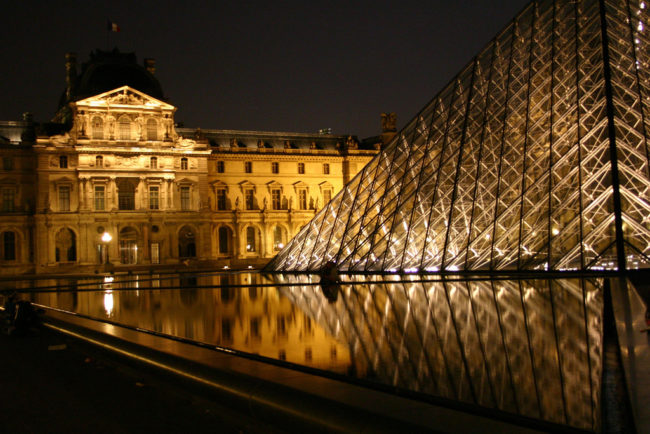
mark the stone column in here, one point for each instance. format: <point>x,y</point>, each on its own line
<point>112,186</point>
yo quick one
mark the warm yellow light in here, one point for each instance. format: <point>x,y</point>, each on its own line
<point>106,237</point>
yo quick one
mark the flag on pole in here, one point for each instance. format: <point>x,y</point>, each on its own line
<point>112,27</point>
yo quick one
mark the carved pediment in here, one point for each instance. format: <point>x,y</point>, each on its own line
<point>124,96</point>
<point>325,186</point>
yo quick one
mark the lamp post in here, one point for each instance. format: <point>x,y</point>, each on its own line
<point>106,238</point>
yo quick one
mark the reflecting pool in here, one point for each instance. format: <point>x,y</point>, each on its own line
<point>527,347</point>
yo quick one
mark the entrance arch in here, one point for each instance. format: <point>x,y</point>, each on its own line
<point>224,240</point>
<point>128,245</point>
<point>186,243</point>
<point>65,249</point>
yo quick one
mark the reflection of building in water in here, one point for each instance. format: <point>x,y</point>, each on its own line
<point>252,319</point>
<point>527,347</point>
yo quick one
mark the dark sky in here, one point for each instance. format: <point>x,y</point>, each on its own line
<point>270,66</point>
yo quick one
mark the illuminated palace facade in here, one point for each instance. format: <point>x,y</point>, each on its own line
<point>534,157</point>
<point>113,162</point>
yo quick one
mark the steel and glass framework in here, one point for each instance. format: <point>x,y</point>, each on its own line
<point>535,157</point>
<point>528,347</point>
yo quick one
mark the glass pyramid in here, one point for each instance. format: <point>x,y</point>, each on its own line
<point>534,157</point>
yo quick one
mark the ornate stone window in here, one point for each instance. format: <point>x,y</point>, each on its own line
<point>249,198</point>
<point>154,197</point>
<point>327,196</point>
<point>7,163</point>
<point>275,167</point>
<point>302,198</point>
<point>225,235</point>
<point>326,169</point>
<point>221,199</point>
<point>97,128</point>
<point>100,198</point>
<point>99,161</point>
<point>183,163</point>
<point>63,162</point>
<point>301,168</point>
<point>126,195</point>
<point>220,167</point>
<point>8,199</point>
<point>152,129</point>
<point>251,239</point>
<point>276,198</point>
<point>9,246</point>
<point>278,238</point>
<point>124,128</point>
<point>153,162</point>
<point>185,198</point>
<point>64,198</point>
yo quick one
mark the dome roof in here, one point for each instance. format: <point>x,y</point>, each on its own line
<point>107,70</point>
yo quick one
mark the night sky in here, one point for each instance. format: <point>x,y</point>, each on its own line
<point>266,66</point>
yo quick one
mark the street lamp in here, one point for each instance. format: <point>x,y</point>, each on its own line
<point>106,238</point>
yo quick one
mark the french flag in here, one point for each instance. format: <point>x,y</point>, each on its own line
<point>112,27</point>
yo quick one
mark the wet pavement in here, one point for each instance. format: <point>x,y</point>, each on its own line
<point>54,384</point>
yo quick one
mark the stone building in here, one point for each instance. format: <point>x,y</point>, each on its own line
<point>113,165</point>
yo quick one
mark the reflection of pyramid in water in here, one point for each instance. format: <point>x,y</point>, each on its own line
<point>534,157</point>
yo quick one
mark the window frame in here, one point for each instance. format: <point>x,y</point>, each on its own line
<point>97,199</point>
<point>185,193</point>
<point>154,197</point>
<point>64,198</point>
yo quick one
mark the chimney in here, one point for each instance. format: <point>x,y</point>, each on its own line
<point>150,65</point>
<point>70,75</point>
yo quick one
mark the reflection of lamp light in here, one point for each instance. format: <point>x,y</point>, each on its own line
<point>108,303</point>
<point>106,238</point>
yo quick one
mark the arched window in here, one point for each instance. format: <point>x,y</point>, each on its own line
<point>186,243</point>
<point>152,129</point>
<point>183,163</point>
<point>97,128</point>
<point>225,235</point>
<point>65,246</point>
<point>251,239</point>
<point>8,246</point>
<point>153,162</point>
<point>278,238</point>
<point>124,128</point>
<point>99,161</point>
<point>63,162</point>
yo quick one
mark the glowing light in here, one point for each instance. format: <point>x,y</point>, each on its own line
<point>106,237</point>
<point>555,231</point>
<point>108,303</point>
<point>640,26</point>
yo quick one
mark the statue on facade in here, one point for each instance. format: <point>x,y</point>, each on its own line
<point>388,122</point>
<point>351,143</point>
